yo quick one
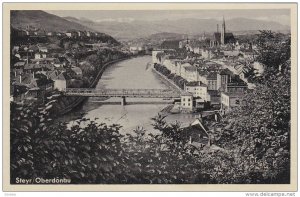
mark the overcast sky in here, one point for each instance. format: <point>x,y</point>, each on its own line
<point>281,15</point>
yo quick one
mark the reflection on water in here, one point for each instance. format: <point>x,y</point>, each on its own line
<point>130,74</point>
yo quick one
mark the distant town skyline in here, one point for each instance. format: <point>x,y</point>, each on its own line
<point>281,16</point>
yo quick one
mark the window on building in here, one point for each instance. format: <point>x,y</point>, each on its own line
<point>189,99</point>
<point>183,99</point>
<point>237,102</point>
<point>188,104</point>
<point>183,104</point>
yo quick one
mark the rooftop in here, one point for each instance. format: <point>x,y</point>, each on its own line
<point>234,94</point>
<point>226,71</point>
<point>196,83</point>
<point>212,76</point>
<point>186,94</point>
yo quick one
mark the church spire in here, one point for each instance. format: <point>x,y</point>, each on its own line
<point>224,26</point>
<point>223,31</point>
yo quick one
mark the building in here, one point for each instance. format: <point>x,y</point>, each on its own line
<point>170,44</point>
<point>236,85</point>
<point>170,65</point>
<point>187,102</point>
<point>77,71</point>
<point>43,49</point>
<point>184,43</point>
<point>32,68</point>
<point>40,55</point>
<point>60,82</point>
<point>223,78</point>
<point>51,33</point>
<point>19,65</point>
<point>195,135</point>
<point>71,34</point>
<point>223,37</point>
<point>215,98</point>
<point>212,81</point>
<point>259,68</point>
<point>241,70</point>
<point>36,85</point>
<point>157,56</point>
<point>231,100</point>
<point>203,75</point>
<point>189,72</point>
<point>207,54</point>
<point>198,89</point>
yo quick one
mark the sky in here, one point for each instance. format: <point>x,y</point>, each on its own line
<point>281,15</point>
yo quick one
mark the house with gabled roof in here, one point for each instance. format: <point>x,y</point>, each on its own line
<point>195,135</point>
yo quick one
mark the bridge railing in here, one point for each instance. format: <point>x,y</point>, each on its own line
<point>120,92</point>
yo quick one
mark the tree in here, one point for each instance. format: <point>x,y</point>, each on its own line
<point>260,129</point>
<point>274,50</point>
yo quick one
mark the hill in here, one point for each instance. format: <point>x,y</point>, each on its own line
<point>44,20</point>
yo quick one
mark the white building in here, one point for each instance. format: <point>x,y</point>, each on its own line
<point>189,72</point>
<point>60,82</point>
<point>198,89</point>
<point>207,54</point>
<point>40,55</point>
<point>231,100</point>
<point>187,101</point>
<point>259,68</point>
<point>43,49</point>
<point>170,65</point>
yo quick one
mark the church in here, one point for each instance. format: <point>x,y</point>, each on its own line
<point>221,38</point>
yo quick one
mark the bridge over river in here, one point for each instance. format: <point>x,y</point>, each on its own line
<point>123,93</point>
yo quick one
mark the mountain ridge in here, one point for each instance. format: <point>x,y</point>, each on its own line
<point>192,26</point>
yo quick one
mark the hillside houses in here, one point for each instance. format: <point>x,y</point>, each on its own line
<point>30,86</point>
<point>36,32</point>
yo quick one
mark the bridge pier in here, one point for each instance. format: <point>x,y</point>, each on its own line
<point>123,100</point>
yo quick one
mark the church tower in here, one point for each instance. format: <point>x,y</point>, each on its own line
<point>223,32</point>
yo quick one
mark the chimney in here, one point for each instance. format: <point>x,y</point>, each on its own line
<point>20,77</point>
<point>15,73</point>
<point>32,75</point>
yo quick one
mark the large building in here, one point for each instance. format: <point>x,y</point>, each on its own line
<point>223,37</point>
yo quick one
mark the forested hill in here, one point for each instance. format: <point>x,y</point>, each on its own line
<point>43,20</point>
<point>20,19</point>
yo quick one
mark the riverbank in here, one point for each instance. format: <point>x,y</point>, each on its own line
<point>167,81</point>
<point>76,101</point>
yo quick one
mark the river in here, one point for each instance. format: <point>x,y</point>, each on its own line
<point>128,74</point>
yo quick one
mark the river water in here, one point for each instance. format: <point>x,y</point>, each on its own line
<point>128,74</point>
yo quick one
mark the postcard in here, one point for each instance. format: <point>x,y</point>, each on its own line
<point>150,97</point>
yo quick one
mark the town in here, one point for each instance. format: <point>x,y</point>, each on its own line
<point>213,72</point>
<point>211,107</point>
<point>46,63</point>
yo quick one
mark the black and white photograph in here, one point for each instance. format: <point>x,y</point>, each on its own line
<point>150,96</point>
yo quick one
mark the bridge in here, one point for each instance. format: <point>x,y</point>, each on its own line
<point>122,93</point>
